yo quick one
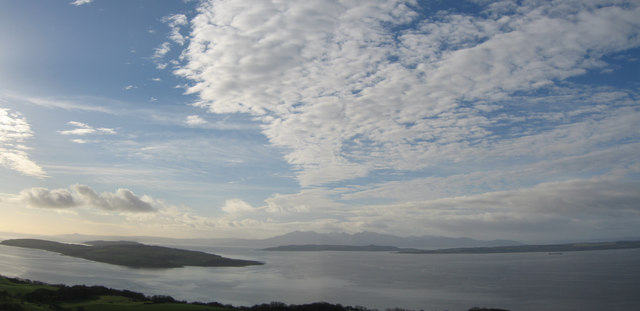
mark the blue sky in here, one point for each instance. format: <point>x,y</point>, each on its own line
<point>489,119</point>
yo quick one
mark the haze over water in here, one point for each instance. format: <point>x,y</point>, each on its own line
<point>595,280</point>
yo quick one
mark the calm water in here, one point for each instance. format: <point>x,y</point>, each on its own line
<point>599,280</point>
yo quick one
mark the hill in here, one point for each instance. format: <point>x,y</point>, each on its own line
<point>346,248</point>
<point>132,254</point>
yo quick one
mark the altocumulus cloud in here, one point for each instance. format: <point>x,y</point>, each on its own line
<point>123,200</point>
<point>350,87</point>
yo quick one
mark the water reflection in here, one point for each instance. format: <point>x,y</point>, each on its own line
<point>531,281</point>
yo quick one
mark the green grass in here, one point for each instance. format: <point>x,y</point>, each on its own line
<point>13,291</point>
<point>20,289</point>
<point>110,303</point>
<point>18,295</point>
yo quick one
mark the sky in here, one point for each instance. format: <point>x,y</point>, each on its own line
<point>486,119</point>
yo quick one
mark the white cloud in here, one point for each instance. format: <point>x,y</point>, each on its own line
<point>85,129</point>
<point>238,206</point>
<point>14,131</point>
<point>195,120</point>
<point>162,50</point>
<point>174,22</point>
<point>122,200</point>
<point>80,2</point>
<point>345,96</point>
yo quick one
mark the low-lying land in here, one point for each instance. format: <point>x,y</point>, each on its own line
<point>25,295</point>
<point>554,248</point>
<point>132,254</point>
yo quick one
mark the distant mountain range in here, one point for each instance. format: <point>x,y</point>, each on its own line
<point>372,238</point>
<point>307,238</point>
<point>339,248</point>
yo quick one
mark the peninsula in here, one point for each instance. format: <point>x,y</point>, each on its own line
<point>132,254</point>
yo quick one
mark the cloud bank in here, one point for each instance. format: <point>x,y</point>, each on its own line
<point>351,88</point>
<point>604,207</point>
<point>123,200</point>
<point>573,209</point>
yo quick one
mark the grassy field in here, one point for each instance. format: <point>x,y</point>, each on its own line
<point>16,295</point>
<point>25,295</point>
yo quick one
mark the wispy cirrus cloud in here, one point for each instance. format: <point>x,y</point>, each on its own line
<point>85,129</point>
<point>14,132</point>
<point>82,103</point>
<point>351,88</point>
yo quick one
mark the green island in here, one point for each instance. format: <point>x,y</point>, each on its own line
<point>324,247</point>
<point>132,254</point>
<point>552,248</point>
<point>25,295</point>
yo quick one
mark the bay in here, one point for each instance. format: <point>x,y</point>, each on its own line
<point>593,280</point>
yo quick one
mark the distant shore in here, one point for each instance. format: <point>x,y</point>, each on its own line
<point>551,249</point>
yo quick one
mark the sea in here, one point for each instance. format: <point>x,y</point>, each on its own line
<point>589,280</point>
